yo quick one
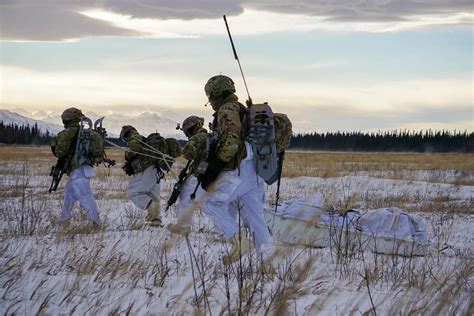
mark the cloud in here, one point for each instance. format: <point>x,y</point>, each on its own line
<point>368,10</point>
<point>51,23</point>
<point>60,20</point>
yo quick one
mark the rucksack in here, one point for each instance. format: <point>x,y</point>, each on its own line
<point>174,149</point>
<point>167,146</point>
<point>283,131</point>
<point>96,148</point>
<point>270,135</point>
<point>89,147</point>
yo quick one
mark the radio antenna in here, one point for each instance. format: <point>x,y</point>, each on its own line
<point>237,58</point>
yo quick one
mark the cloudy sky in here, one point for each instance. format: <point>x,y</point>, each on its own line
<point>331,65</point>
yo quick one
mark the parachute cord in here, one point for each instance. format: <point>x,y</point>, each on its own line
<point>164,157</point>
<point>138,153</point>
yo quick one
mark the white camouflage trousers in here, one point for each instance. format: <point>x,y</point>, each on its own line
<point>233,192</point>
<point>78,188</point>
<point>144,188</point>
<point>186,206</point>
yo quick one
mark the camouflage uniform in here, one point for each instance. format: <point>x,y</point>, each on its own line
<point>238,184</point>
<point>195,151</point>
<point>77,188</point>
<point>144,187</point>
<point>230,131</point>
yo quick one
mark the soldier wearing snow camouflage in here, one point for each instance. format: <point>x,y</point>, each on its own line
<point>77,188</point>
<point>194,151</point>
<point>144,188</point>
<point>238,180</point>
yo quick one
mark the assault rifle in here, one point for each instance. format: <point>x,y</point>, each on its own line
<point>57,172</point>
<point>177,186</point>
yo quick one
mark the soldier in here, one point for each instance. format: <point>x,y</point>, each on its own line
<point>230,175</point>
<point>78,186</point>
<point>194,151</point>
<point>144,188</point>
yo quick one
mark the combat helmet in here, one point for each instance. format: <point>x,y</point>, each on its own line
<point>126,131</point>
<point>218,87</point>
<point>71,115</point>
<point>191,124</point>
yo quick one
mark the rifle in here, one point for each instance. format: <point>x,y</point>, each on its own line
<point>57,172</point>
<point>177,186</point>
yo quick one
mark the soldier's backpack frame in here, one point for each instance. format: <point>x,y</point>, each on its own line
<point>262,137</point>
<point>83,141</point>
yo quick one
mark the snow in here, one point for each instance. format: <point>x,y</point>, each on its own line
<point>129,267</point>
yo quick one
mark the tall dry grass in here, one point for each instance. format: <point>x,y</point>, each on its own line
<point>128,268</point>
<point>383,165</point>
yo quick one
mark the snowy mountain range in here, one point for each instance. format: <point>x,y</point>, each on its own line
<point>8,117</point>
<point>145,123</point>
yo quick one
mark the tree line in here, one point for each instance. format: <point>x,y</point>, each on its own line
<point>404,141</point>
<point>397,140</point>
<point>23,134</point>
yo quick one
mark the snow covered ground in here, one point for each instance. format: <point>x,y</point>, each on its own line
<point>127,267</point>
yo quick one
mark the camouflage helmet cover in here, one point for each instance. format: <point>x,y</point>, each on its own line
<point>217,85</point>
<point>192,122</point>
<point>71,114</point>
<point>125,131</point>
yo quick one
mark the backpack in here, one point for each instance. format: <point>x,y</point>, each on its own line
<point>96,148</point>
<point>262,137</point>
<point>89,148</point>
<point>167,146</point>
<point>270,135</point>
<point>174,149</point>
<point>283,131</point>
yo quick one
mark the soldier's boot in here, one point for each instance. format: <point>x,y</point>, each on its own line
<point>178,230</point>
<point>240,246</point>
<point>153,217</point>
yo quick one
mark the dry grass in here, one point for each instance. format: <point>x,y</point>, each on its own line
<point>128,268</point>
<point>384,165</point>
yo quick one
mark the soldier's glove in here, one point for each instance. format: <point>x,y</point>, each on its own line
<point>127,167</point>
<point>211,173</point>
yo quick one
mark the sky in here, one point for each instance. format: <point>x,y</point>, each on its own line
<point>339,65</point>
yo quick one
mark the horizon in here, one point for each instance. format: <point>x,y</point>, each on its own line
<point>330,67</point>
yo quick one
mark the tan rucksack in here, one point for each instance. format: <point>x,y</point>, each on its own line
<point>283,131</point>
<point>174,149</point>
<point>167,146</point>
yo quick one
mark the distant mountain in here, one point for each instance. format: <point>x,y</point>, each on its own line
<point>8,117</point>
<point>145,123</point>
